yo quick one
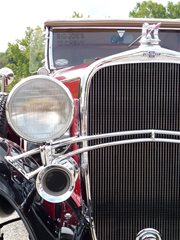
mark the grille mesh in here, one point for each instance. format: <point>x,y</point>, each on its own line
<point>135,186</point>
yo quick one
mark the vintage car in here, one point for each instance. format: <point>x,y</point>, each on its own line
<point>90,149</point>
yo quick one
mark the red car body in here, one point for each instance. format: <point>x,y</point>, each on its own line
<point>105,112</point>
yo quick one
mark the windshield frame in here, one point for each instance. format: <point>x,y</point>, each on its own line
<point>88,29</point>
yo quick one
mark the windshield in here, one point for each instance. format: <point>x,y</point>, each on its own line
<point>75,47</point>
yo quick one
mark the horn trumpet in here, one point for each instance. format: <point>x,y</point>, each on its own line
<point>55,183</point>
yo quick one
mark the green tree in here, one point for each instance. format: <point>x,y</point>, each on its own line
<point>37,50</point>
<point>77,15</point>
<point>150,9</point>
<point>25,56</point>
<point>173,10</point>
<point>3,60</point>
<point>18,54</point>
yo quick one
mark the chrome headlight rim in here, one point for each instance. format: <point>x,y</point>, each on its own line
<point>20,86</point>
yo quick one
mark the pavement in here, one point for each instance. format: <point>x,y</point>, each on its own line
<point>14,231</point>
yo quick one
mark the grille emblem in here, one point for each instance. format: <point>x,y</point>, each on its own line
<point>148,234</point>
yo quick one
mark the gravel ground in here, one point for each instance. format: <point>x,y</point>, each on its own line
<point>14,231</point>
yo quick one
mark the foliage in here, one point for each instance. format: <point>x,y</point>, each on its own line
<point>25,56</point>
<point>18,54</point>
<point>77,15</point>
<point>3,60</point>
<point>150,9</point>
<point>36,50</point>
<point>173,10</point>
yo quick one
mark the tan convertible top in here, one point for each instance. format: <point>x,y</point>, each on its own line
<point>131,22</point>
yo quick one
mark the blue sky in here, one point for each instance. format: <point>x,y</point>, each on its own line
<point>17,15</point>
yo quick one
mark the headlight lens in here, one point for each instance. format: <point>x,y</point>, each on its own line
<point>40,109</point>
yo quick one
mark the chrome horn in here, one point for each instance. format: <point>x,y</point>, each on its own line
<point>55,183</point>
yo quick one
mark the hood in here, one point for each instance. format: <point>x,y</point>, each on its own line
<point>74,72</point>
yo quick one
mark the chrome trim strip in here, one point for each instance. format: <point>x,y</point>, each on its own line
<point>23,155</point>
<point>45,149</point>
<point>121,142</point>
<point>94,147</point>
<point>84,165</point>
<point>118,27</point>
<point>46,41</point>
<point>83,139</point>
<point>153,132</point>
<point>49,44</point>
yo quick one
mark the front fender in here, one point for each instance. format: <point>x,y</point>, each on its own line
<point>35,226</point>
<point>18,194</point>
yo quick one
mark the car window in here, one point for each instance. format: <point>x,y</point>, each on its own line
<point>71,48</point>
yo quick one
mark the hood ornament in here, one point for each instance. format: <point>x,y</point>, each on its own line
<point>150,34</point>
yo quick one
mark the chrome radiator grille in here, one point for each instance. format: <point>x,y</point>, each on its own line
<point>135,186</point>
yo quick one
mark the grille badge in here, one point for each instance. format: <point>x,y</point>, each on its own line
<point>148,234</point>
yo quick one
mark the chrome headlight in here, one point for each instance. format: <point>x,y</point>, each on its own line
<point>40,108</point>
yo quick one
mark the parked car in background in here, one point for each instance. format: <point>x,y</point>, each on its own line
<point>90,148</point>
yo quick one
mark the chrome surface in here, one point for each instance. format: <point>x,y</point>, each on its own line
<point>7,72</point>
<point>63,176</point>
<point>123,28</point>
<point>148,234</point>
<point>50,56</point>
<point>150,135</point>
<point>151,53</point>
<point>150,34</point>
<point>43,71</point>
<point>47,150</point>
<point>141,55</point>
<point>146,37</point>
<point>120,26</point>
<point>6,77</point>
<point>32,123</point>
<point>138,100</point>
